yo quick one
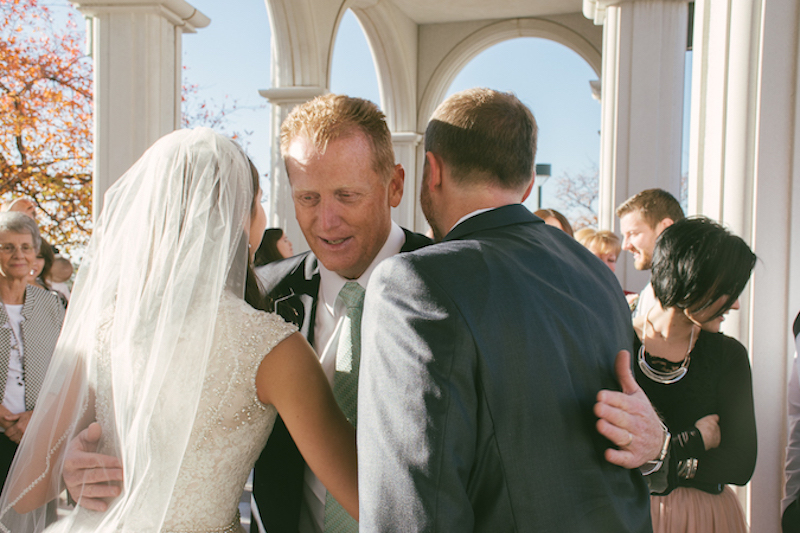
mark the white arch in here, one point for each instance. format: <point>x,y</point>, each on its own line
<point>392,41</point>
<point>478,41</point>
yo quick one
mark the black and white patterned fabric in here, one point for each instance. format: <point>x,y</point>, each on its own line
<point>42,315</point>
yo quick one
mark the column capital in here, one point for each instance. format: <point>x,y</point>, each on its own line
<point>596,9</point>
<point>410,138</point>
<point>292,95</point>
<point>178,12</point>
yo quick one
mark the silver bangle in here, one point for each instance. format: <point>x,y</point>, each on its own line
<point>687,468</point>
<point>665,444</point>
<point>654,465</point>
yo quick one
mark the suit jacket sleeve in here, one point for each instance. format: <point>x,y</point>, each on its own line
<point>417,405</point>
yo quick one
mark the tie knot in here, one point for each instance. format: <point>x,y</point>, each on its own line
<point>352,295</point>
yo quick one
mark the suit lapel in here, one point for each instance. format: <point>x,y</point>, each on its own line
<point>295,295</point>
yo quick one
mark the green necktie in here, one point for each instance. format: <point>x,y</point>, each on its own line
<point>345,388</point>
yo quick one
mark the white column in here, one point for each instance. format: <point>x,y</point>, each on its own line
<point>405,152</point>
<point>644,44</point>
<point>744,133</point>
<point>283,100</point>
<point>137,79</point>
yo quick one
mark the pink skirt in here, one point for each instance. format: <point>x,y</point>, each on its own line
<point>687,510</point>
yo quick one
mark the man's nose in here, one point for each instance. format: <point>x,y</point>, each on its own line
<point>329,213</point>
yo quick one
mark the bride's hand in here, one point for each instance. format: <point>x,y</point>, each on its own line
<point>91,477</point>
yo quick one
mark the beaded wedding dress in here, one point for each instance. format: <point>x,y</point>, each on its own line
<point>232,425</point>
<point>159,348</point>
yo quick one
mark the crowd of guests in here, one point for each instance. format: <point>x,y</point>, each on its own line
<point>696,378</point>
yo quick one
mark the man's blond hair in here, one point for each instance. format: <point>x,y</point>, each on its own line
<point>336,116</point>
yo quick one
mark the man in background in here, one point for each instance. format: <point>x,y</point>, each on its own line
<point>642,218</point>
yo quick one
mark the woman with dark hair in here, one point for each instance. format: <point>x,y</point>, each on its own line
<point>40,272</point>
<point>698,378</point>
<point>165,348</point>
<point>275,245</point>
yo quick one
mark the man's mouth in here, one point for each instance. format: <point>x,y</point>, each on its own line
<point>334,242</point>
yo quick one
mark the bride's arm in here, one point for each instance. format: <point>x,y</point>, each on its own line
<point>291,378</point>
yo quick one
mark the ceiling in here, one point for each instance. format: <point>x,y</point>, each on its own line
<point>437,11</point>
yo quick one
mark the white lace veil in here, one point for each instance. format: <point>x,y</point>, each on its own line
<point>171,238</point>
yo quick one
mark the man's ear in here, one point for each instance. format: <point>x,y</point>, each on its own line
<point>664,224</point>
<point>528,189</point>
<point>396,185</point>
<point>435,170</point>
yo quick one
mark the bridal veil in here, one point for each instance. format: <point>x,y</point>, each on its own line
<point>172,236</point>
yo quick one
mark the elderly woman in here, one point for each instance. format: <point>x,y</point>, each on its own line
<point>30,321</point>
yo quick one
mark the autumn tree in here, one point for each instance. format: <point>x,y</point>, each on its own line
<point>46,119</point>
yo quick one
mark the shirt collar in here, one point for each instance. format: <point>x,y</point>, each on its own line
<point>470,215</point>
<point>330,283</point>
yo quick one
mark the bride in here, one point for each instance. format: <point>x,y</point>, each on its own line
<point>163,348</point>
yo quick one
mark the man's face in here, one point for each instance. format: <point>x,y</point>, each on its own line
<point>639,238</point>
<point>342,205</point>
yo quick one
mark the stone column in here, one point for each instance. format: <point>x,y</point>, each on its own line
<point>644,44</point>
<point>136,45</point>
<point>281,213</point>
<point>405,152</point>
<point>743,172</point>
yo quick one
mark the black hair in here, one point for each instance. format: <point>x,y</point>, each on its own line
<point>268,250</point>
<point>696,261</point>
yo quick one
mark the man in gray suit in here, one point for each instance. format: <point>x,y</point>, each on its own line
<point>482,356</point>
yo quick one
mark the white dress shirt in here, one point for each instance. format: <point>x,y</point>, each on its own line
<point>647,300</point>
<point>327,324</point>
<point>14,397</point>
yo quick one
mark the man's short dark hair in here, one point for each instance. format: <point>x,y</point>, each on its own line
<point>484,135</point>
<point>696,261</point>
<point>654,205</point>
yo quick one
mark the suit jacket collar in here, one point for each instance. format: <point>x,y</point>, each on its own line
<point>501,216</point>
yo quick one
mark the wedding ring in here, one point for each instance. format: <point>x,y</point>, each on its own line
<point>630,439</point>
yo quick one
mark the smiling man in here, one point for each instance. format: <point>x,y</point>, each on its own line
<point>642,218</point>
<point>344,180</point>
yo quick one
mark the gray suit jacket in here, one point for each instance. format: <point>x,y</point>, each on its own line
<point>481,360</point>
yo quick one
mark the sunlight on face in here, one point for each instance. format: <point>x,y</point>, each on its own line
<point>342,204</point>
